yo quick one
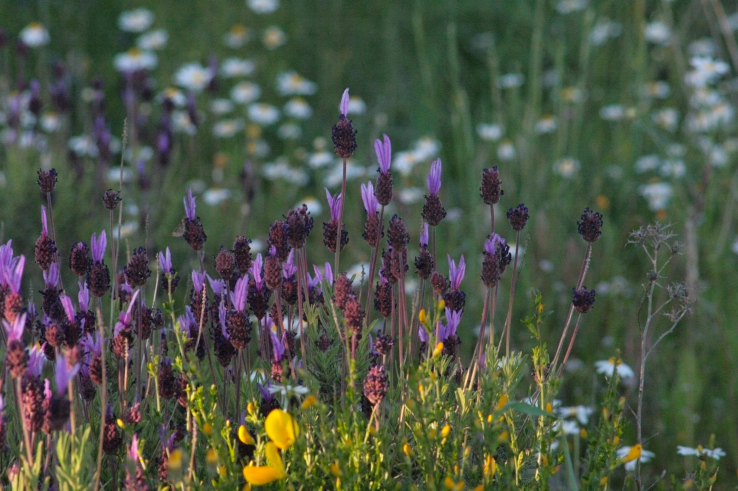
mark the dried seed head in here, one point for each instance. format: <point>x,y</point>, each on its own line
<point>324,342</point>
<point>98,279</point>
<point>299,225</point>
<point>424,264</point>
<point>354,315</point>
<point>440,283</point>
<point>194,234</point>
<point>397,235</point>
<point>386,270</point>
<point>166,379</point>
<point>518,217</point>
<point>583,300</point>
<point>278,235</point>
<point>590,228</point>
<point>16,358</point>
<point>330,230</point>
<point>490,190</point>
<point>111,199</point>
<point>47,180</point>
<point>455,300</point>
<point>373,230</point>
<point>383,299</point>
<point>384,343</point>
<point>273,272</point>
<point>383,189</point>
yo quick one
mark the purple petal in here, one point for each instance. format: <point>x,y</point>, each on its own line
<point>68,307</point>
<point>434,178</point>
<point>328,273</point>
<point>44,225</point>
<point>345,102</point>
<point>189,204</point>
<point>63,375</point>
<point>51,276</point>
<point>424,236</point>
<point>367,196</point>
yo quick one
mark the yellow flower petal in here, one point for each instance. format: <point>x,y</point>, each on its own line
<point>281,429</point>
<point>502,402</point>
<point>258,476</point>
<point>438,350</point>
<point>309,401</point>
<point>274,459</point>
<point>445,431</point>
<point>245,436</point>
<point>408,451</point>
<point>422,317</point>
<point>633,454</point>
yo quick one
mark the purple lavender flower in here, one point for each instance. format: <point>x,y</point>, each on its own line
<point>288,267</point>
<point>256,267</point>
<point>370,201</point>
<point>83,297</point>
<point>68,307</point>
<point>384,154</point>
<point>334,203</point>
<point>218,286</point>
<point>319,276</point>
<point>51,276</point>
<point>98,245</point>
<point>125,318</point>
<point>189,204</point>
<point>456,274</point>
<point>345,103</point>
<point>15,329</point>
<point>198,280</point>
<point>490,245</point>
<point>133,452</point>
<point>93,344</point>
<point>63,374</point>
<point>422,334</point>
<point>278,346</point>
<point>453,318</point>
<point>36,358</point>
<point>434,178</point>
<point>266,394</point>
<point>424,236</point>
<point>223,320</point>
<point>165,261</point>
<point>238,297</point>
<point>44,224</point>
<point>13,276</point>
<point>166,440</point>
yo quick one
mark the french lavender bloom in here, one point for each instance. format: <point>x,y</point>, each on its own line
<point>238,296</point>
<point>83,297</point>
<point>256,267</point>
<point>198,280</point>
<point>189,205</point>
<point>384,154</point>
<point>278,346</point>
<point>15,329</point>
<point>433,211</point>
<point>328,276</point>
<point>63,374</point>
<point>98,245</point>
<point>345,103</point>
<point>68,307</point>
<point>490,245</point>
<point>334,204</point>
<point>370,201</point>
<point>93,344</point>
<point>423,334</point>
<point>125,318</point>
<point>133,452</point>
<point>36,358</point>
<point>44,223</point>
<point>434,178</point>
<point>51,276</point>
<point>288,267</point>
<point>456,274</point>
<point>218,286</point>
<point>165,261</point>
<point>13,276</point>
<point>424,236</point>
<point>223,321</point>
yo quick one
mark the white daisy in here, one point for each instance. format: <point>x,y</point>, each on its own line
<point>705,71</point>
<point>356,105</point>
<point>126,230</point>
<point>674,168</point>
<point>657,194</point>
<point>263,114</point>
<point>320,159</point>
<point>173,94</point>
<point>426,148</point>
<point>193,76</point>
<point>547,124</point>
<point>490,132</point>
<point>289,131</point>
<point>566,167</point>
<point>153,40</point>
<point>603,30</point>
<point>657,33</point>
<point>569,6</point>
<point>236,37</point>
<point>237,67</point>
<point>298,108</point>
<point>404,162</point>
<point>216,196</point>
<point>510,80</point>
<point>263,6</point>
<point>228,128</point>
<point>658,89</point>
<point>646,456</point>
<point>221,106</point>
<point>137,20</point>
<point>580,412</point>
<point>334,177</point>
<point>506,151</point>
<point>716,453</point>
<point>314,206</point>
<point>258,148</point>
<point>667,118</point>
<point>273,37</point>
<point>182,123</point>
<point>613,112</point>
<point>410,196</point>
<point>135,59</point>
<point>245,92</point>
<point>607,367</point>
<point>292,83</point>
<point>647,163</point>
<point>287,392</point>
<point>50,122</point>
<point>83,146</point>
<point>114,174</point>
<point>35,35</point>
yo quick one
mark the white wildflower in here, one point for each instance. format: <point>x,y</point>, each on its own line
<point>153,40</point>
<point>135,59</point>
<point>298,108</point>
<point>607,367</point>
<point>245,92</point>
<point>193,76</point>
<point>263,6</point>
<point>489,132</point>
<point>292,83</point>
<point>567,167</point>
<point>657,33</point>
<point>237,67</point>
<point>137,20</point>
<point>273,37</point>
<point>35,35</point>
<point>263,114</point>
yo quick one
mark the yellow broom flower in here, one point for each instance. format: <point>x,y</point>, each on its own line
<point>281,429</point>
<point>264,474</point>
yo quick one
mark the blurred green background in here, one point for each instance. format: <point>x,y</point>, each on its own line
<point>570,96</point>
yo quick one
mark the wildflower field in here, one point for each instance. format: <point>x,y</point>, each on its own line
<point>368,245</point>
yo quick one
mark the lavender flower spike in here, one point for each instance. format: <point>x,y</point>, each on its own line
<point>424,236</point>
<point>456,274</point>
<point>334,203</point>
<point>277,346</point>
<point>133,452</point>
<point>189,204</point>
<point>13,276</point>
<point>328,273</point>
<point>490,245</point>
<point>370,201</point>
<point>165,261</point>
<point>68,307</point>
<point>93,344</point>
<point>453,318</point>
<point>15,329</point>
<point>36,358</point>
<point>51,276</point>
<point>83,297</point>
<point>44,224</point>
<point>256,266</point>
<point>198,280</point>
<point>384,154</point>
<point>434,178</point>
<point>288,267</point>
<point>98,245</point>
<point>63,375</point>
<point>238,297</point>
<point>344,103</point>
<point>125,318</point>
<point>222,319</point>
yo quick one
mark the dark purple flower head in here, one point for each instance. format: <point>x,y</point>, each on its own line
<point>83,297</point>
<point>44,224</point>
<point>344,103</point>
<point>68,307</point>
<point>456,274</point>
<point>51,276</point>
<point>15,329</point>
<point>165,261</point>
<point>278,347</point>
<point>198,280</point>
<point>63,374</point>
<point>256,267</point>
<point>238,297</point>
<point>36,358</point>
<point>189,204</point>
<point>434,178</point>
<point>288,267</point>
<point>370,201</point>
<point>98,245</point>
<point>334,203</point>
<point>14,274</point>
<point>424,236</point>
<point>384,154</point>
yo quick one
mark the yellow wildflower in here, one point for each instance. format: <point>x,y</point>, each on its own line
<point>309,401</point>
<point>490,466</point>
<point>453,486</point>
<point>633,454</point>
<point>438,349</point>
<point>175,460</point>
<point>207,428</point>
<point>503,400</point>
<point>264,474</point>
<point>250,408</point>
<point>422,317</point>
<point>445,431</point>
<point>245,436</point>
<point>335,470</point>
<point>408,451</point>
<point>281,429</point>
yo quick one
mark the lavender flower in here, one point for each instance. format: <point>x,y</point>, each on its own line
<point>165,261</point>
<point>13,275</point>
<point>345,103</point>
<point>125,318</point>
<point>434,178</point>
<point>133,452</point>
<point>448,331</point>
<point>288,267</point>
<point>36,360</point>
<point>198,280</point>
<point>370,201</point>
<point>83,297</point>
<point>424,236</point>
<point>68,307</point>
<point>51,276</point>
<point>334,203</point>
<point>456,274</point>
<point>223,321</point>
<point>384,154</point>
<point>256,267</point>
<point>15,329</point>
<point>278,346</point>
<point>93,344</point>
<point>238,297</point>
<point>218,286</point>
<point>193,234</point>
<point>63,374</point>
<point>189,205</point>
<point>98,245</point>
<point>423,334</point>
